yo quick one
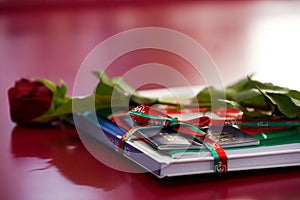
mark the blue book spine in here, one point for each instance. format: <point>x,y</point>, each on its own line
<point>112,134</point>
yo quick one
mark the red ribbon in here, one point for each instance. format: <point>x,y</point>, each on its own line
<point>146,117</point>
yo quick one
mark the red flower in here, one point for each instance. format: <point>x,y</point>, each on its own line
<point>28,100</point>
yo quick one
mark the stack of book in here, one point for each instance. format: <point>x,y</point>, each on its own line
<point>165,152</point>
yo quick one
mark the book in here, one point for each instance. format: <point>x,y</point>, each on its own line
<point>259,146</point>
<point>275,149</point>
<point>167,139</point>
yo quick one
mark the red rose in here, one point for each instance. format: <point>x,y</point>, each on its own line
<point>28,100</point>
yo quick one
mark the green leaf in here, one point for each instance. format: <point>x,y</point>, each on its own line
<point>285,105</point>
<point>264,99</point>
<point>82,105</point>
<point>122,85</point>
<point>295,97</point>
<point>104,86</point>
<point>239,85</point>
<point>269,87</point>
<point>49,84</point>
<point>138,99</point>
<point>258,114</point>
<point>233,104</point>
<point>279,98</point>
<point>97,74</point>
<point>205,95</point>
<point>107,86</point>
<point>230,93</point>
<point>59,96</point>
<point>252,98</point>
<point>294,94</point>
<point>93,102</point>
<point>61,90</point>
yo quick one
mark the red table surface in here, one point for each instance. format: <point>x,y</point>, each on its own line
<point>51,40</point>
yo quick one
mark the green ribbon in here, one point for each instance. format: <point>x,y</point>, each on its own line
<point>220,164</point>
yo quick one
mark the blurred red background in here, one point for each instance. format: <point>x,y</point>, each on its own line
<point>50,39</point>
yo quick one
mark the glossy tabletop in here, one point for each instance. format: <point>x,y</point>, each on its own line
<point>51,40</point>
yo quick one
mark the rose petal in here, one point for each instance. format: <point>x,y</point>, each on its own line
<point>28,100</point>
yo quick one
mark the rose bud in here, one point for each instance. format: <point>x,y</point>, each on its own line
<point>29,100</point>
